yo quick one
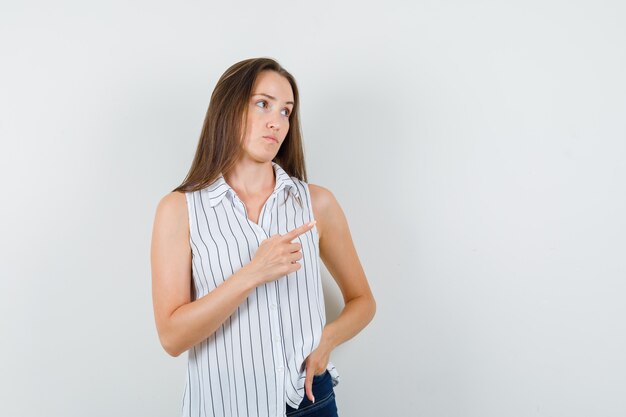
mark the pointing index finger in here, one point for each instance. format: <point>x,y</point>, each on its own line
<point>291,235</point>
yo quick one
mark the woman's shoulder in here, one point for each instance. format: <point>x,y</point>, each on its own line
<point>172,210</point>
<point>174,200</point>
<point>320,196</point>
<point>325,206</point>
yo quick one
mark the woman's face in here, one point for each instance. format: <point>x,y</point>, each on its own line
<point>269,109</point>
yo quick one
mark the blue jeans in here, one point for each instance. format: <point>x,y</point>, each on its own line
<point>324,405</point>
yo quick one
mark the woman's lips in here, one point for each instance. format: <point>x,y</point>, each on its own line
<point>270,139</point>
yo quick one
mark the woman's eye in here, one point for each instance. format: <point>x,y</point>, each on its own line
<point>263,104</point>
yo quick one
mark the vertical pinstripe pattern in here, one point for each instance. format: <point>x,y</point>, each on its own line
<point>254,362</point>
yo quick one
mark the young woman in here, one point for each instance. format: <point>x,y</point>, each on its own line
<point>235,259</point>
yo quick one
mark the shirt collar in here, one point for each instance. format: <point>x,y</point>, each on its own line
<point>220,187</point>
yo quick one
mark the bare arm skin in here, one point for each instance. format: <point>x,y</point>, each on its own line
<point>182,323</point>
<point>339,255</point>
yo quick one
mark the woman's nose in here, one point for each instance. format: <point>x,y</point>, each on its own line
<point>273,124</point>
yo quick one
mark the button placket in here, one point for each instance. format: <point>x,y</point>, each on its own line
<point>277,347</point>
<point>258,230</point>
<point>264,218</point>
<point>266,214</point>
<point>262,234</point>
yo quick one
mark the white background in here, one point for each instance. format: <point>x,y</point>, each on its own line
<point>476,147</point>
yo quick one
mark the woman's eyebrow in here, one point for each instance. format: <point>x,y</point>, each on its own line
<point>270,97</point>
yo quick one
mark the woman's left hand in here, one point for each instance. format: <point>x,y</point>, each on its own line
<point>315,364</point>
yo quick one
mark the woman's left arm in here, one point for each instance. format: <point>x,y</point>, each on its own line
<point>339,255</point>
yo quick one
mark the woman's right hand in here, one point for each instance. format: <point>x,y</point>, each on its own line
<point>277,256</point>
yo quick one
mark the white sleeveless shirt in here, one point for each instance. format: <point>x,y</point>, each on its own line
<point>253,364</point>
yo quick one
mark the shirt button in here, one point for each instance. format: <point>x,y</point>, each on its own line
<point>276,338</point>
<point>280,369</point>
<point>273,306</point>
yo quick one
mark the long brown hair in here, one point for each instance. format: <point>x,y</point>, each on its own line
<point>220,144</point>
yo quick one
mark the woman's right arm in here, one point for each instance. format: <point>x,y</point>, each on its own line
<point>181,323</point>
